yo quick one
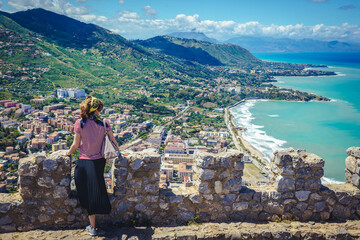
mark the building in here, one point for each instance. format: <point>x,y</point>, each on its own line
<point>70,92</point>
<point>185,169</point>
<point>21,139</point>
<point>59,146</point>
<point>52,107</point>
<point>175,148</point>
<point>167,168</point>
<point>53,137</point>
<point>38,142</point>
<point>9,123</point>
<point>179,158</point>
<point>26,108</point>
<point>9,149</point>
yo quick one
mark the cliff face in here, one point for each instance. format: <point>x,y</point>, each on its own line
<point>217,195</point>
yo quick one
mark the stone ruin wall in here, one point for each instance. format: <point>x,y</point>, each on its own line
<point>217,195</point>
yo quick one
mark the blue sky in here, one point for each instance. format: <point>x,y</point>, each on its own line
<point>318,19</point>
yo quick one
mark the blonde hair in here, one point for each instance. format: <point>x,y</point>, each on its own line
<point>88,104</point>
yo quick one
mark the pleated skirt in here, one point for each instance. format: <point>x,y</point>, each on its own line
<point>90,185</point>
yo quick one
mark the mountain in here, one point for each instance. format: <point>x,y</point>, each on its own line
<point>193,35</point>
<point>262,44</point>
<point>203,52</point>
<point>73,53</point>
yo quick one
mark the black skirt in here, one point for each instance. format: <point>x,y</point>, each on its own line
<point>90,185</point>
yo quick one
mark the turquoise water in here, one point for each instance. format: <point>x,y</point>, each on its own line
<point>324,128</point>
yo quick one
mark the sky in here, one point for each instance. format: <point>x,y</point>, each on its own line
<point>326,20</point>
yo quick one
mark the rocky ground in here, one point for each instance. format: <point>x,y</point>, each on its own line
<point>241,230</point>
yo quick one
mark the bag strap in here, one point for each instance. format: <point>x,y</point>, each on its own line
<point>104,121</point>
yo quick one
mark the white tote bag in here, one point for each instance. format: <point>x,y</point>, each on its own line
<point>109,149</point>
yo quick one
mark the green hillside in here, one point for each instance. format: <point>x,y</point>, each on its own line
<point>210,53</point>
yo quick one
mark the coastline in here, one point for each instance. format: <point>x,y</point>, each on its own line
<point>256,157</point>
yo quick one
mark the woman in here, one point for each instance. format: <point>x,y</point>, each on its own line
<point>89,172</point>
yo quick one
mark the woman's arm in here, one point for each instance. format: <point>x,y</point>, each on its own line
<point>75,145</point>
<point>113,138</point>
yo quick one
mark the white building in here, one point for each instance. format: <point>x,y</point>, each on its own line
<point>70,92</point>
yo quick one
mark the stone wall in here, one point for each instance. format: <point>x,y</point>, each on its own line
<point>352,162</point>
<point>217,194</point>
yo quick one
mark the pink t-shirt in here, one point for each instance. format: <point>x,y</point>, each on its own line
<point>92,136</point>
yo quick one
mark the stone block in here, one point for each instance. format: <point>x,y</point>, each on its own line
<point>153,199</point>
<point>60,192</point>
<point>284,184</point>
<point>302,195</point>
<point>151,188</point>
<point>195,198</point>
<point>319,206</point>
<point>355,180</point>
<point>302,206</point>
<point>44,218</point>
<point>353,151</point>
<point>5,220</point>
<point>176,199</point>
<point>137,163</point>
<point>304,173</point>
<point>123,206</point>
<point>206,174</point>
<point>204,160</point>
<point>47,182</point>
<point>135,199</point>
<point>186,215</point>
<point>351,164</point>
<point>218,187</point>
<point>120,171</point>
<point>318,173</point>
<point>283,157</point>
<point>39,158</point>
<point>312,184</point>
<point>224,174</point>
<point>287,170</point>
<point>256,207</point>
<point>239,165</point>
<point>312,160</point>
<point>233,185</point>
<point>65,182</point>
<point>274,195</point>
<point>224,161</point>
<point>316,197</point>
<point>274,207</point>
<point>240,206</point>
<point>141,207</point>
<point>5,207</point>
<point>28,169</point>
<point>121,162</point>
<point>203,187</point>
<point>229,198</point>
<point>164,206</point>
<point>71,202</point>
<point>50,165</point>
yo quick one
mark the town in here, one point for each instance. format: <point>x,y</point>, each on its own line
<point>28,130</point>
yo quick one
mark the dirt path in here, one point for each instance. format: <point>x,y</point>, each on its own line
<point>239,230</point>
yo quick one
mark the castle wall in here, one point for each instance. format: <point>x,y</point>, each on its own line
<point>217,195</point>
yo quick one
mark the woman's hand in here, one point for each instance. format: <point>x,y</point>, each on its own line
<point>65,153</point>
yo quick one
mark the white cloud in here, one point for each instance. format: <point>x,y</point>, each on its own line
<point>131,25</point>
<point>1,4</point>
<point>58,6</point>
<point>122,2</point>
<point>80,1</point>
<point>149,11</point>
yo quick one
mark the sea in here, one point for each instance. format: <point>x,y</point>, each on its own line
<point>324,128</point>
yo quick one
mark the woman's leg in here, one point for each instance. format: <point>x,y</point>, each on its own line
<point>92,220</point>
